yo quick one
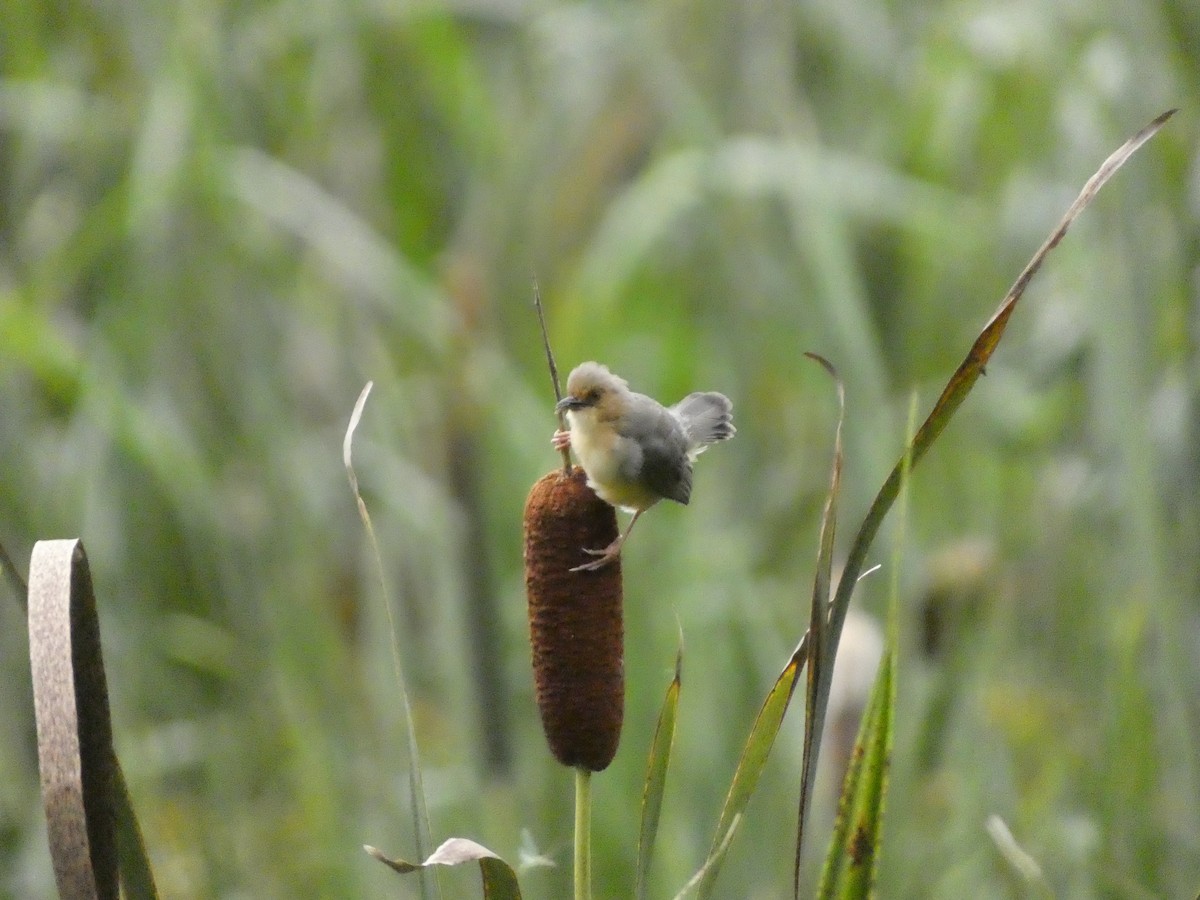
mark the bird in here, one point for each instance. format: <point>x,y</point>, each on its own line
<point>634,450</point>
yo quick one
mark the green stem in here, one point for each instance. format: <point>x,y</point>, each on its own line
<point>583,834</point>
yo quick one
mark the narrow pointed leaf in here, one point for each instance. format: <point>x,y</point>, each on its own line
<point>656,776</point>
<point>754,758</point>
<point>420,812</point>
<point>714,859</point>
<point>817,657</point>
<point>952,396</point>
<point>852,860</point>
<point>137,878</point>
<point>499,880</point>
<point>13,577</point>
<point>971,368</point>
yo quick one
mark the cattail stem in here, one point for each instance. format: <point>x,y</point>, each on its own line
<point>583,834</point>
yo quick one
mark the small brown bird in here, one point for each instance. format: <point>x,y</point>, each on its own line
<point>634,450</point>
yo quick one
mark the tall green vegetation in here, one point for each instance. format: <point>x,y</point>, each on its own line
<point>217,221</point>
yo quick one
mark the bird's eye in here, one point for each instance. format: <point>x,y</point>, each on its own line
<point>592,396</point>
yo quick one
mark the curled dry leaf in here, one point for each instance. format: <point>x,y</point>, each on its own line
<point>499,880</point>
<point>75,751</point>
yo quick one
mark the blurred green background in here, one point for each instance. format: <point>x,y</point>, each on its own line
<point>218,220</point>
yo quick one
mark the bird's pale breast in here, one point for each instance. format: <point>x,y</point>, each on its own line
<point>602,453</point>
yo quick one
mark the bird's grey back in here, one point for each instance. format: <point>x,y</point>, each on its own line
<point>662,459</point>
<point>707,417</point>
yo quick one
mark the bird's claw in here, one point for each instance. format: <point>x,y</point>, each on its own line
<point>561,440</point>
<point>596,564</point>
<point>604,557</point>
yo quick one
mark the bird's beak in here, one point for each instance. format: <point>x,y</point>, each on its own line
<point>567,403</point>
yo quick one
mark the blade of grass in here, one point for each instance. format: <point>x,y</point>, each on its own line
<point>952,396</point>
<point>656,776</point>
<point>137,878</point>
<point>420,813</point>
<point>14,579</point>
<point>766,727</point>
<point>852,860</point>
<point>754,757</point>
<point>818,618</point>
<point>714,859</point>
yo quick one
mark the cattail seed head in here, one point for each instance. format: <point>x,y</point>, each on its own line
<point>575,620</point>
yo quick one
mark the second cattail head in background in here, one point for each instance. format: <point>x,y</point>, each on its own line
<point>634,450</point>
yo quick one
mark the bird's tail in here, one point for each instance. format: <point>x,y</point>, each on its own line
<point>707,418</point>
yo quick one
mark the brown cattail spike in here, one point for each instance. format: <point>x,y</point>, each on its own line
<point>575,620</point>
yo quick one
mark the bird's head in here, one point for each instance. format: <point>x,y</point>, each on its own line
<point>592,387</point>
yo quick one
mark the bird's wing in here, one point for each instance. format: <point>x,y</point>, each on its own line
<point>664,466</point>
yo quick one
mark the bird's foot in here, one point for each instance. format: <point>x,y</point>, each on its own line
<point>561,440</point>
<point>609,554</point>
